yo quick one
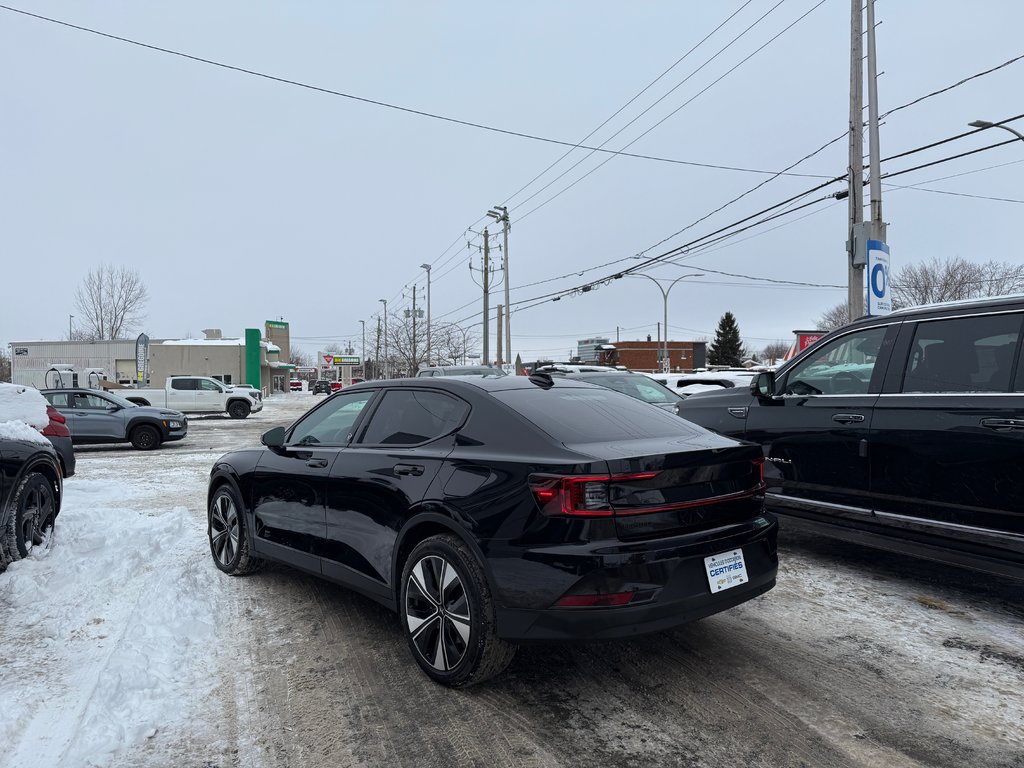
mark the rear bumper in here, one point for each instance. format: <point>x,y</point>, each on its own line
<point>668,575</point>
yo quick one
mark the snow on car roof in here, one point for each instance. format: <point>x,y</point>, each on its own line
<point>22,413</point>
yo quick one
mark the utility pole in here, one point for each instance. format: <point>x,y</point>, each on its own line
<point>414,361</point>
<point>486,360</point>
<point>426,267</point>
<point>500,213</point>
<point>386,366</point>
<point>877,225</point>
<point>362,350</point>
<point>499,336</point>
<point>855,276</point>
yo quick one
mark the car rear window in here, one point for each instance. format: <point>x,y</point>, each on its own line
<point>590,415</point>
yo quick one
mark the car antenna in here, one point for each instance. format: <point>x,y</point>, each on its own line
<point>542,380</point>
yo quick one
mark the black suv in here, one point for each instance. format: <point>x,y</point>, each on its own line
<point>322,387</point>
<point>904,432</point>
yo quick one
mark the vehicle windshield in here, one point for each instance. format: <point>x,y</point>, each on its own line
<point>120,400</point>
<point>639,387</point>
<point>592,414</point>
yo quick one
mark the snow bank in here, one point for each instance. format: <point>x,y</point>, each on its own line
<point>22,413</point>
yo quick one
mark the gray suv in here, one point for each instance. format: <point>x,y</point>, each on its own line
<point>94,416</point>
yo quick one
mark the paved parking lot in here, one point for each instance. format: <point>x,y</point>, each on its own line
<point>856,658</point>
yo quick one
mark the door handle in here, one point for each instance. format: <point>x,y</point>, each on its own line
<point>848,418</point>
<point>1003,424</point>
<point>317,463</point>
<point>408,469</point>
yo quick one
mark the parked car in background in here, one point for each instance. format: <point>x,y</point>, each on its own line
<point>105,417</point>
<point>489,511</point>
<point>632,384</point>
<point>460,370</point>
<point>321,387</point>
<point>31,477</point>
<point>59,435</point>
<point>336,386</point>
<point>905,432</point>
<point>687,384</point>
<point>295,385</point>
<point>198,394</point>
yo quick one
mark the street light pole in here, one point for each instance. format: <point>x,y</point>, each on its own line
<point>664,293</point>
<point>987,124</point>
<point>427,268</point>
<point>385,303</point>
<point>70,318</point>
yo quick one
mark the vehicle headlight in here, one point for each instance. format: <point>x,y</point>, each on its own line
<point>172,424</point>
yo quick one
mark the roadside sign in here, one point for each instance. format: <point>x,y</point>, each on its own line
<point>141,354</point>
<point>328,358</point>
<point>346,360</point>
<point>879,300</point>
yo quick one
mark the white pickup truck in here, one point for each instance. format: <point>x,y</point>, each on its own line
<point>198,394</point>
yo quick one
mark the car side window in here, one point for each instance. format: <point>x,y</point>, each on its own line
<point>91,402</point>
<point>410,417</point>
<point>183,384</point>
<point>963,354</point>
<point>59,399</point>
<point>208,386</point>
<point>331,423</point>
<point>844,366</point>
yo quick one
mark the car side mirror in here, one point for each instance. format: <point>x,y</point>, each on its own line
<point>113,408</point>
<point>763,385</point>
<point>273,438</point>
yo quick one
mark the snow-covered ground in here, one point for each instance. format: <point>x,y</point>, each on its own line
<point>122,645</point>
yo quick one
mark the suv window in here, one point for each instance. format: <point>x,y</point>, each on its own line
<point>964,354</point>
<point>331,423</point>
<point>844,366</point>
<point>91,402</point>
<point>410,417</point>
<point>59,399</point>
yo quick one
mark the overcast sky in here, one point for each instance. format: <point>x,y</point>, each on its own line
<point>240,199</point>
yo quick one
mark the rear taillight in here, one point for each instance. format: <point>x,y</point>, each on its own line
<point>56,427</point>
<point>578,495</point>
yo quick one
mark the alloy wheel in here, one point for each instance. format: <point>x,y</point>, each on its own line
<point>37,514</point>
<point>437,612</point>
<point>224,529</point>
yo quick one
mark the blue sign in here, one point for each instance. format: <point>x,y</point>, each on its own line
<point>879,300</point>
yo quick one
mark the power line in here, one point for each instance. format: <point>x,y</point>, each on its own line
<point>685,103</point>
<point>377,102</point>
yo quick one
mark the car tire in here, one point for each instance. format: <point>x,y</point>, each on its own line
<point>448,614</point>
<point>33,509</point>
<point>225,529</point>
<point>145,437</point>
<point>238,409</point>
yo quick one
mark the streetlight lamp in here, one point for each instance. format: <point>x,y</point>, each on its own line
<point>385,303</point>
<point>500,213</point>
<point>664,293</point>
<point>465,342</point>
<point>987,124</point>
<point>427,268</point>
<point>70,318</point>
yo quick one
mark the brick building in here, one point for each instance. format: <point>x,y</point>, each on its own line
<point>645,355</point>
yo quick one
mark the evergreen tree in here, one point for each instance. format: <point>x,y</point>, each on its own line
<point>727,348</point>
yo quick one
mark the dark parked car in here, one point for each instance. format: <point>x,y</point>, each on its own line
<point>104,417</point>
<point>491,511</point>
<point>321,387</point>
<point>31,489</point>
<point>59,435</point>
<point>460,370</point>
<point>904,431</point>
<point>633,384</point>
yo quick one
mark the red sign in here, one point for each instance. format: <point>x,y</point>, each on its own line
<point>328,359</point>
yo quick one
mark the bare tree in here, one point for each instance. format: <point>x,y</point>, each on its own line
<point>300,359</point>
<point>453,345</point>
<point>110,302</point>
<point>833,318</point>
<point>5,366</point>
<point>954,279</point>
<point>774,351</point>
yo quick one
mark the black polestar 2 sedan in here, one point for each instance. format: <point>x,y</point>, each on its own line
<point>489,512</point>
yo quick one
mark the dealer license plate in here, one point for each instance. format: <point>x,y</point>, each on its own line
<point>726,570</point>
